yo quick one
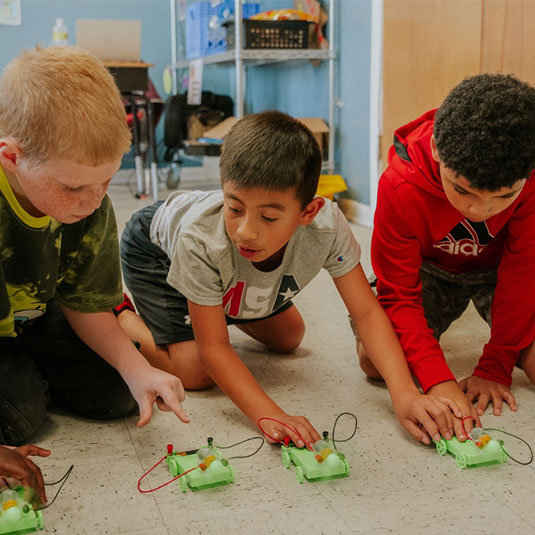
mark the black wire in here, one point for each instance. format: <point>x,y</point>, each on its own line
<point>63,480</point>
<point>334,428</point>
<point>241,442</point>
<point>518,438</point>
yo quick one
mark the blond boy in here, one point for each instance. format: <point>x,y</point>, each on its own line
<point>62,135</point>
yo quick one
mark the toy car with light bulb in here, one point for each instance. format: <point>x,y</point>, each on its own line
<point>479,449</point>
<point>17,515</point>
<point>208,467</point>
<point>322,463</point>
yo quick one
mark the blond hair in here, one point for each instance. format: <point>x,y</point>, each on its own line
<point>62,103</point>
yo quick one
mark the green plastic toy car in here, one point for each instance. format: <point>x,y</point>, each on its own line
<point>17,516</point>
<point>479,450</point>
<point>207,465</point>
<point>323,463</point>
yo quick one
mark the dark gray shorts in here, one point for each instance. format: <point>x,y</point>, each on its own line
<point>145,268</point>
<point>446,295</point>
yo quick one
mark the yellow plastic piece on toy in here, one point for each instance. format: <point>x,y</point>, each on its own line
<point>208,460</point>
<point>10,503</point>
<point>329,185</point>
<point>482,441</point>
<point>326,452</point>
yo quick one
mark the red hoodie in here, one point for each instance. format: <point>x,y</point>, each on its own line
<point>415,222</point>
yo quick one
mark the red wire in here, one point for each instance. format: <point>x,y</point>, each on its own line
<point>462,424</point>
<point>157,488</point>
<point>285,425</point>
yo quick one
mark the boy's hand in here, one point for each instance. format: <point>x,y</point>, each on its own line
<point>298,423</point>
<point>484,391</point>
<point>150,385</point>
<point>425,416</point>
<point>14,463</point>
<point>451,390</point>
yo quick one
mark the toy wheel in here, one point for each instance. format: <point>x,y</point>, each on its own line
<point>286,459</point>
<point>173,468</point>
<point>40,523</point>
<point>441,447</point>
<point>346,464</point>
<point>462,460</point>
<point>231,474</point>
<point>299,474</point>
<point>183,483</point>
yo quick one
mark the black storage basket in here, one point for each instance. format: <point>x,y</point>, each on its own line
<point>279,34</point>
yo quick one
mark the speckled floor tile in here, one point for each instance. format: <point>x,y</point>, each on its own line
<point>396,485</point>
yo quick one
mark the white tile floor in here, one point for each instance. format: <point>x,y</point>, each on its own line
<point>396,485</point>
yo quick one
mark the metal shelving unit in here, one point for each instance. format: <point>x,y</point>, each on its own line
<point>243,58</point>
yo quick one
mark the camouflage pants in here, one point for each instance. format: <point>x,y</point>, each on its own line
<point>445,295</point>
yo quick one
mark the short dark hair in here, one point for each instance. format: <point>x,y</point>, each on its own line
<point>485,131</point>
<point>274,151</point>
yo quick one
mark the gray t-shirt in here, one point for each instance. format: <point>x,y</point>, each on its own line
<point>207,268</point>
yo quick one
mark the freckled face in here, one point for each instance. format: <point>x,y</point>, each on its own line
<point>65,190</point>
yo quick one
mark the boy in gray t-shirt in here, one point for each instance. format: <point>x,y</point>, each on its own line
<point>203,260</point>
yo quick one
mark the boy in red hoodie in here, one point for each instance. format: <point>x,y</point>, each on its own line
<point>455,222</point>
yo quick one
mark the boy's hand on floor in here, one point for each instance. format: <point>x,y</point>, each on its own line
<point>451,390</point>
<point>14,464</point>
<point>150,385</point>
<point>426,417</point>
<point>299,423</point>
<point>484,391</point>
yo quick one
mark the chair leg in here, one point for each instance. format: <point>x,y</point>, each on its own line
<point>153,151</point>
<point>138,159</point>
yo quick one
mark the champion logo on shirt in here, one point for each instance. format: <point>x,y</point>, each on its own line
<point>340,258</point>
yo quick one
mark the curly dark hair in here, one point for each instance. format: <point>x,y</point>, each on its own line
<point>485,131</point>
<point>274,151</point>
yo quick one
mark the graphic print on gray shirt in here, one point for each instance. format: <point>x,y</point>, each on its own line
<point>207,268</point>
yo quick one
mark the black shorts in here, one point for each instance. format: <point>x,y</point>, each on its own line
<point>145,268</point>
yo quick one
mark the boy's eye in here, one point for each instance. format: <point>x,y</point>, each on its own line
<point>234,210</point>
<point>269,219</point>
<point>461,191</point>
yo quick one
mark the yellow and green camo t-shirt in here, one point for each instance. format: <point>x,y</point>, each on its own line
<point>77,264</point>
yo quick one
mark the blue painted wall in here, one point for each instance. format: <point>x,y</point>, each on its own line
<point>298,89</point>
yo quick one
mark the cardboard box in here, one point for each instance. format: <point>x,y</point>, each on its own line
<point>316,124</point>
<point>219,131</point>
<point>320,130</point>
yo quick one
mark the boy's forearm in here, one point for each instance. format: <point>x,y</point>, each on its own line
<point>102,333</point>
<point>234,378</point>
<point>383,348</point>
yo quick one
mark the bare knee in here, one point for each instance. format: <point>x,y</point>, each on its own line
<point>288,343</point>
<point>201,381</point>
<point>366,365</point>
<point>184,363</point>
<point>527,362</point>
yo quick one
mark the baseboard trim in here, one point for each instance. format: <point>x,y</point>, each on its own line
<point>357,212</point>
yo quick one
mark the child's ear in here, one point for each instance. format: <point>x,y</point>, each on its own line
<point>10,154</point>
<point>434,150</point>
<point>311,210</point>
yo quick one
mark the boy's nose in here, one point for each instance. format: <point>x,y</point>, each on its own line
<point>481,210</point>
<point>246,231</point>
